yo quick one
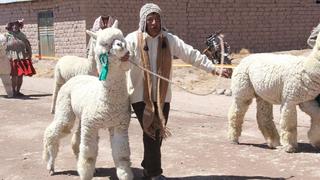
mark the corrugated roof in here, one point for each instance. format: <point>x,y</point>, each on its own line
<point>12,1</point>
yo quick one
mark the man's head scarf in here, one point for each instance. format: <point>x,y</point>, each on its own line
<point>145,11</point>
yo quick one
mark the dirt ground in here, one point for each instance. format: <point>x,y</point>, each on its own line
<point>197,150</point>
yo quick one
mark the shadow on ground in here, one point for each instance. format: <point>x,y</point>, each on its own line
<point>302,147</point>
<point>222,177</point>
<point>111,173</point>
<point>27,97</point>
<point>100,172</point>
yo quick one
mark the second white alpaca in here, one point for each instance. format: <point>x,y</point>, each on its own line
<point>277,79</point>
<point>5,68</point>
<point>68,67</point>
<point>97,104</point>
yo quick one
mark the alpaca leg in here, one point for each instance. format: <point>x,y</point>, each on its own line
<point>266,124</point>
<point>75,141</point>
<point>59,127</point>
<point>314,132</point>
<point>313,110</point>
<point>58,83</point>
<point>235,116</point>
<point>288,125</point>
<point>121,152</point>
<point>88,152</point>
<point>6,81</point>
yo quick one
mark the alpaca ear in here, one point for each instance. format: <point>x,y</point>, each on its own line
<point>115,24</point>
<point>92,34</point>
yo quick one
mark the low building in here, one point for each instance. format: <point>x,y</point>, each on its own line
<point>57,27</point>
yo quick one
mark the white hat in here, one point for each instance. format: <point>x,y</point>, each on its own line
<point>145,11</point>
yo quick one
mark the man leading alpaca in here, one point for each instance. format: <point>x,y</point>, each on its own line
<point>154,47</point>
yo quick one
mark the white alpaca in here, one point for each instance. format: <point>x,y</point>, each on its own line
<point>277,79</point>
<point>5,68</point>
<point>70,66</point>
<point>98,104</point>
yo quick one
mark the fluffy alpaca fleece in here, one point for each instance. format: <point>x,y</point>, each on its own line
<point>5,68</point>
<point>98,104</point>
<point>70,66</point>
<point>277,79</point>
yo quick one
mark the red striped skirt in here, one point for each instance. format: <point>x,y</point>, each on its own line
<point>22,67</point>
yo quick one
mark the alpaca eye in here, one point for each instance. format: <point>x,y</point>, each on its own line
<point>119,44</point>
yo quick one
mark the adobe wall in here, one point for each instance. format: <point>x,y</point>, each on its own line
<point>257,25</point>
<point>69,24</point>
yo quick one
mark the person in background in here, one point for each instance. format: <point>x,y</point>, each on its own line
<point>20,53</point>
<point>100,23</point>
<point>154,47</point>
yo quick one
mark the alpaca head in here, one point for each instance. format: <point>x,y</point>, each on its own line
<point>110,41</point>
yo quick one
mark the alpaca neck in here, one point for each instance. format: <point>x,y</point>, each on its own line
<point>314,57</point>
<point>312,65</point>
<point>92,62</point>
<point>316,52</point>
<point>115,86</point>
<point>91,55</point>
<point>115,78</point>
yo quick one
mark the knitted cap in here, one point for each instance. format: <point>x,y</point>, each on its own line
<point>145,11</point>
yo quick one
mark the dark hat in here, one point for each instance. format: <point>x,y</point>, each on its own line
<point>19,23</point>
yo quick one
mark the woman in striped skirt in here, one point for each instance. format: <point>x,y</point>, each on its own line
<point>20,53</point>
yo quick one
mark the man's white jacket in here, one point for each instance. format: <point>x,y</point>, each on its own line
<point>178,49</point>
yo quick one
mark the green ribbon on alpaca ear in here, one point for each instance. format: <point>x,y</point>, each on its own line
<point>105,66</point>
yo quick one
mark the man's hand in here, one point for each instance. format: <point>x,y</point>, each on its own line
<point>226,72</point>
<point>125,57</point>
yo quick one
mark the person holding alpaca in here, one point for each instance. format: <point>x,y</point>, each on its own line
<point>154,47</point>
<point>20,54</point>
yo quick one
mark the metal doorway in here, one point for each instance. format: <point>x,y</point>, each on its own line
<point>46,33</point>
